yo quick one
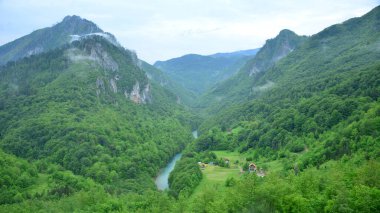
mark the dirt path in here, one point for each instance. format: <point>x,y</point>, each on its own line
<point>241,169</point>
<point>261,173</point>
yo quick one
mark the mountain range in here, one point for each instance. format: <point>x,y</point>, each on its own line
<point>293,126</point>
<point>198,73</point>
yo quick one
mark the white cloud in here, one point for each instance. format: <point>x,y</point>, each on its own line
<point>162,29</point>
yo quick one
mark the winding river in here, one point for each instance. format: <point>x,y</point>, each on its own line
<point>195,134</point>
<point>162,180</point>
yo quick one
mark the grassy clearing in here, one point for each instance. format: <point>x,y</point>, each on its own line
<point>271,166</point>
<point>215,176</point>
<point>232,156</point>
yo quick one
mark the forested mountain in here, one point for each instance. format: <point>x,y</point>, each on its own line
<point>85,113</point>
<point>197,73</point>
<point>239,53</point>
<point>184,96</point>
<point>86,126</point>
<point>49,38</point>
<point>336,54</point>
<point>241,87</point>
<point>312,120</point>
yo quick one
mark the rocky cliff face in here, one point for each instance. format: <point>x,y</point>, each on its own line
<point>138,96</point>
<point>113,85</point>
<point>99,86</point>
<point>98,54</point>
<point>274,50</point>
<point>115,77</point>
<point>84,42</point>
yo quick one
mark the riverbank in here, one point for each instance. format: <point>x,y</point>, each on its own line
<point>162,180</point>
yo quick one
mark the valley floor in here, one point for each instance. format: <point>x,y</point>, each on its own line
<point>215,176</point>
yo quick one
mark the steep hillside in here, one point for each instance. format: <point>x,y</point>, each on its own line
<point>184,96</point>
<point>241,87</point>
<point>89,108</point>
<point>313,132</point>
<point>197,73</point>
<point>336,55</point>
<point>324,96</point>
<point>49,38</point>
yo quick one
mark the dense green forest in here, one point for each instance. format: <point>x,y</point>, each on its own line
<point>86,127</point>
<point>311,116</point>
<point>66,113</point>
<point>198,73</point>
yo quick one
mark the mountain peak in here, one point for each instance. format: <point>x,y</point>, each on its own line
<point>286,32</point>
<point>78,25</point>
<point>71,18</point>
<point>274,50</point>
<point>50,38</point>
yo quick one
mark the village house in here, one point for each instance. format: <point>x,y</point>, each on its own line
<point>252,167</point>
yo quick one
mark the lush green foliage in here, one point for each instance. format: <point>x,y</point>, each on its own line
<point>309,118</point>
<point>242,86</point>
<point>183,96</point>
<point>312,100</point>
<point>51,111</point>
<point>319,103</point>
<point>185,177</point>
<point>21,181</point>
<point>337,187</point>
<point>198,73</point>
<point>16,177</point>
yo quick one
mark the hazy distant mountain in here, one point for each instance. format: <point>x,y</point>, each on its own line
<point>42,40</point>
<point>198,73</point>
<point>183,96</point>
<point>240,53</point>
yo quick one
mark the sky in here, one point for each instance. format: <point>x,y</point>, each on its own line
<point>164,29</point>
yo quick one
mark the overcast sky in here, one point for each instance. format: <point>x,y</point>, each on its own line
<point>163,29</point>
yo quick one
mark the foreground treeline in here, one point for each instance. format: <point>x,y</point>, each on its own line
<point>336,186</point>
<point>351,186</point>
<point>185,177</point>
